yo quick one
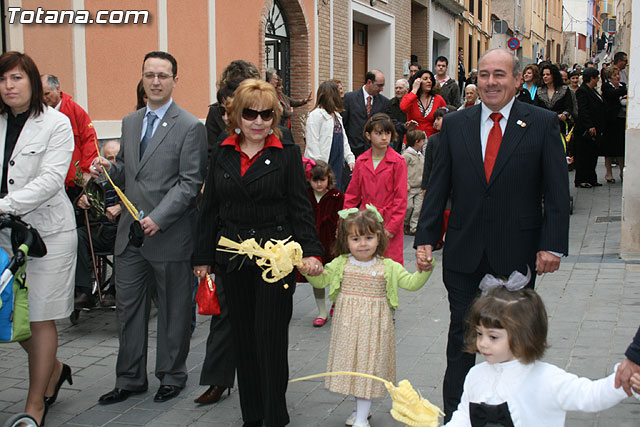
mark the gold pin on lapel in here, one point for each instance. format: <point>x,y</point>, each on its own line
<point>521,123</point>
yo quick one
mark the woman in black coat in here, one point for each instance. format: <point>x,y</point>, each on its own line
<point>614,93</point>
<point>589,130</point>
<point>256,189</point>
<point>555,96</point>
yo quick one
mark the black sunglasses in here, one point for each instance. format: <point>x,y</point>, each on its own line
<point>249,114</point>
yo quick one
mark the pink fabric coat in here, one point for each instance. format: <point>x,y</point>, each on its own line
<point>386,189</point>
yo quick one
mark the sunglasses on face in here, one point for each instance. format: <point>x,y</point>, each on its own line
<point>249,114</point>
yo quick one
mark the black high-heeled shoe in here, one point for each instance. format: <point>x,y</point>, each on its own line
<point>65,375</point>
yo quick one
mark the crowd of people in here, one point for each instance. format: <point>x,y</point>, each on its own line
<point>474,158</point>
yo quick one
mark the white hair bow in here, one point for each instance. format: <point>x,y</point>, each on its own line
<point>515,282</point>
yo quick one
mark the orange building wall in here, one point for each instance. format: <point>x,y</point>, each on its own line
<point>50,45</point>
<point>188,41</point>
<point>237,35</point>
<point>114,59</point>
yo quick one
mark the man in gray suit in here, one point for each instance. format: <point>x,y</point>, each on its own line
<point>161,163</point>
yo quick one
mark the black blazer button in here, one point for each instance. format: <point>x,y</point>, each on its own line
<point>226,175</point>
<point>279,228</point>
<point>12,163</point>
<point>11,181</point>
<point>227,205</point>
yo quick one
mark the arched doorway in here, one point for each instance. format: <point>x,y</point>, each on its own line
<point>285,37</point>
<point>276,45</point>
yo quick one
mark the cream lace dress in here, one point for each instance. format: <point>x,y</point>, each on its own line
<point>362,332</point>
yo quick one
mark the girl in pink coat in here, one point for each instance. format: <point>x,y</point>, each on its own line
<point>380,178</point>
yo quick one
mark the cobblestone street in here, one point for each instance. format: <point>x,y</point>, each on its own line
<point>593,303</point>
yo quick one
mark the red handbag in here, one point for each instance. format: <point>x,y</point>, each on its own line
<point>207,298</point>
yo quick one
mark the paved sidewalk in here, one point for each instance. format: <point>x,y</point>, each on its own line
<point>593,304</point>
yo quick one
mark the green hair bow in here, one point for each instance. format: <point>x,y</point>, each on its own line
<point>344,213</point>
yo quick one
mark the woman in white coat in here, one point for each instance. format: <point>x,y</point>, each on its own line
<point>325,135</point>
<point>36,144</point>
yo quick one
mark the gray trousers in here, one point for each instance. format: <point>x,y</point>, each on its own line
<point>172,282</point>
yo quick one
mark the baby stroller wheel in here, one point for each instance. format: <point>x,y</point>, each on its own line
<point>21,420</point>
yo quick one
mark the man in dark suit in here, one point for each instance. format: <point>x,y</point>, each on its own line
<point>497,185</point>
<point>361,104</point>
<point>162,162</point>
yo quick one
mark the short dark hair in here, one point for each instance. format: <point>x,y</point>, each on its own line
<point>321,171</point>
<point>435,86</point>
<point>413,136</point>
<point>380,121</point>
<point>163,55</point>
<point>225,92</point>
<point>415,64</point>
<point>238,70</point>
<point>370,76</point>
<point>440,112</point>
<point>589,73</point>
<point>442,59</point>
<point>619,56</point>
<point>521,313</point>
<point>11,60</point>
<point>360,223</point>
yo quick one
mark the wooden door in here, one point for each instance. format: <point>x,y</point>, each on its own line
<point>359,54</point>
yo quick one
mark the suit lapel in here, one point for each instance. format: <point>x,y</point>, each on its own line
<point>229,161</point>
<point>133,151</point>
<point>362,106</point>
<point>163,129</point>
<point>269,161</point>
<point>472,140</point>
<point>513,133</point>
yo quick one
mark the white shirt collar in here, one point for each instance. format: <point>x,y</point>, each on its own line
<point>505,111</point>
<point>160,112</point>
<point>57,107</point>
<point>413,151</point>
<point>366,95</point>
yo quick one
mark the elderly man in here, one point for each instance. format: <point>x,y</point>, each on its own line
<point>84,134</point>
<point>620,60</point>
<point>103,238</point>
<point>497,161</point>
<point>162,164</point>
<point>449,89</point>
<point>361,104</point>
<point>398,116</point>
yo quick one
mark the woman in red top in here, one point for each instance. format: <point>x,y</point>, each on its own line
<point>422,102</point>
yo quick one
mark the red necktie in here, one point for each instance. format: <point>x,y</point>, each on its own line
<point>368,105</point>
<point>493,144</point>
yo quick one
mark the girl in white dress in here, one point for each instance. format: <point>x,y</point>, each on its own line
<point>513,388</point>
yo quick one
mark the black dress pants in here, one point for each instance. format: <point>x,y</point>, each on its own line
<point>260,313</point>
<point>103,239</point>
<point>219,367</point>
<point>462,290</point>
<point>586,159</point>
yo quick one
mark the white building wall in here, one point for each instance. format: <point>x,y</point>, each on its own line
<point>443,27</point>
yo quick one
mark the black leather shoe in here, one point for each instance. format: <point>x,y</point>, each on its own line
<point>212,395</point>
<point>65,375</point>
<point>166,392</point>
<point>117,395</point>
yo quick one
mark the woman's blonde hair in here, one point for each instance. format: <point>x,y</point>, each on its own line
<point>250,93</point>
